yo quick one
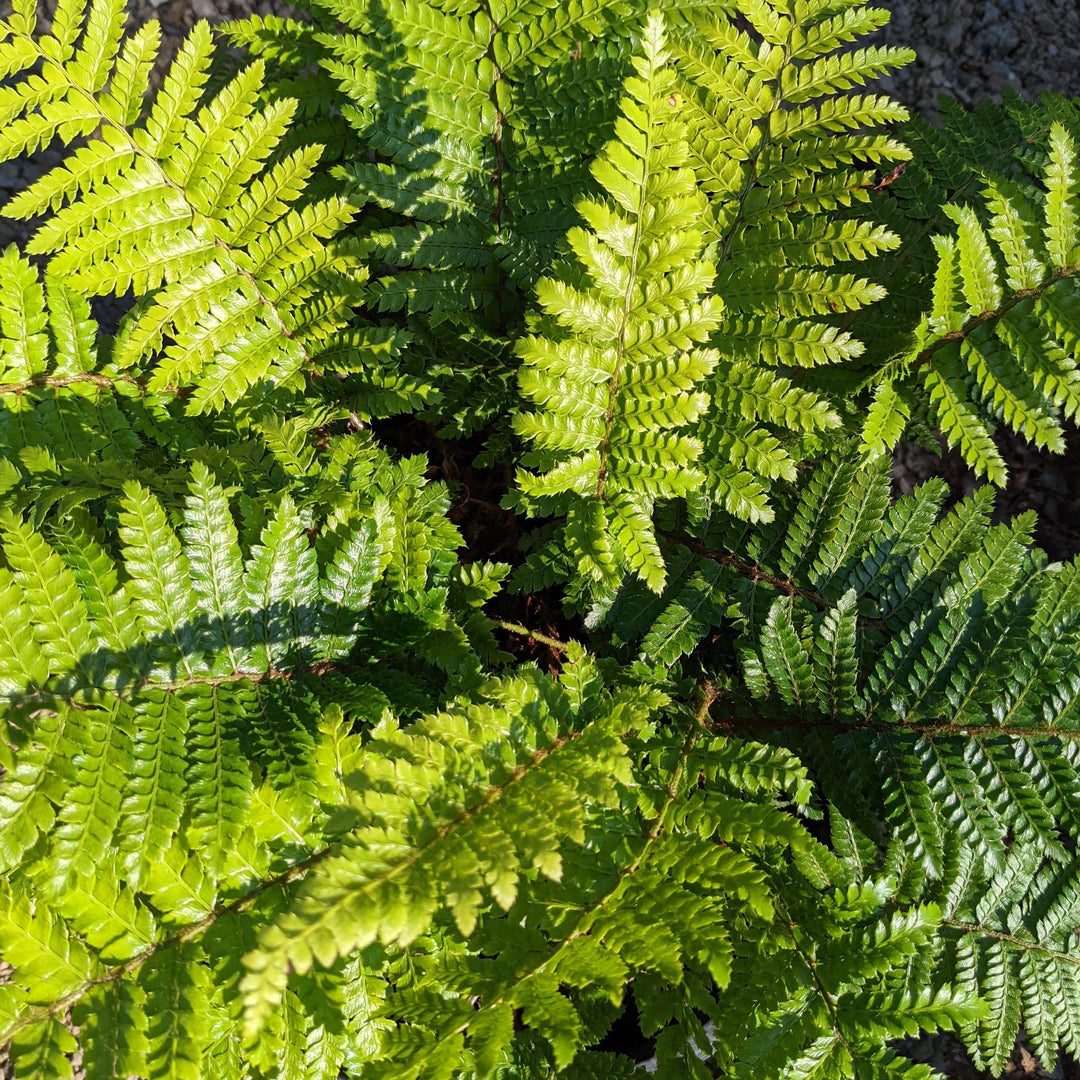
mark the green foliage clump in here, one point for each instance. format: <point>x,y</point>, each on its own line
<point>463,607</point>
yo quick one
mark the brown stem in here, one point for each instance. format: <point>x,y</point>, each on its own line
<point>1012,939</point>
<point>754,572</point>
<point>925,355</point>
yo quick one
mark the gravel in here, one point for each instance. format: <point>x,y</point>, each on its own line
<point>974,48</point>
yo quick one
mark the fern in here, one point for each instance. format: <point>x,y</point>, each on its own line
<point>1011,945</point>
<point>943,653</point>
<point>474,125</point>
<point>179,204</point>
<point>608,681</point>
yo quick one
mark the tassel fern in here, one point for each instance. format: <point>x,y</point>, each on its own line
<point>463,606</point>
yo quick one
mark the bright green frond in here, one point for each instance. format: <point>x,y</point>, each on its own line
<point>632,317</point>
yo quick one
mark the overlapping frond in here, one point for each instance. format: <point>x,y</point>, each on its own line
<point>583,944</point>
<point>842,994</point>
<point>488,811</point>
<point>484,116</point>
<point>926,667</point>
<point>475,124</point>
<point>505,813</point>
<point>65,412</point>
<point>175,744</point>
<point>950,163</point>
<point>280,796</point>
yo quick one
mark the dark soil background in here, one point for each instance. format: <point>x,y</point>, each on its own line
<point>966,48</point>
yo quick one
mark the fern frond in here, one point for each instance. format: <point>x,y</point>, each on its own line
<point>771,162</point>
<point>385,887</point>
<point>1008,946</point>
<point>995,345</point>
<point>146,203</point>
<point>613,325</point>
